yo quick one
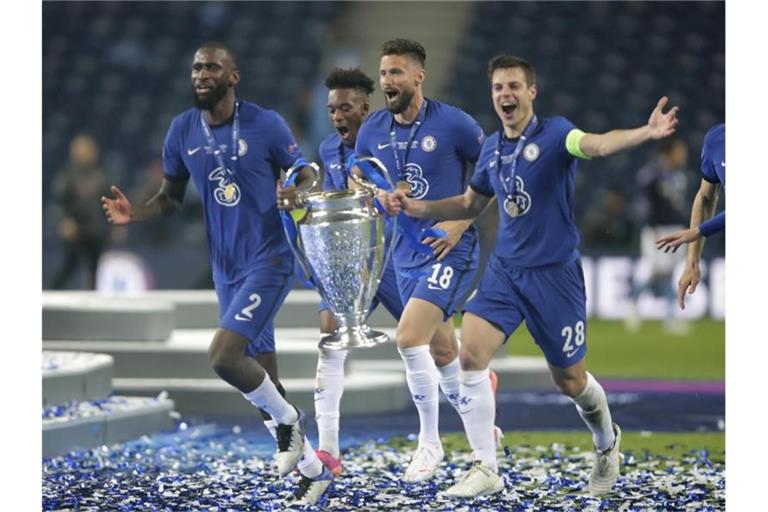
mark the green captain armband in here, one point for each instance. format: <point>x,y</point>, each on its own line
<point>572,144</point>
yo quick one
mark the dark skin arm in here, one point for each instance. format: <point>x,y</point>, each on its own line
<point>168,200</point>
<point>304,183</point>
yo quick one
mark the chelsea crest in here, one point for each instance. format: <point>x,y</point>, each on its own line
<point>531,152</point>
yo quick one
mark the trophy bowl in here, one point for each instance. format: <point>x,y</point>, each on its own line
<point>343,246</point>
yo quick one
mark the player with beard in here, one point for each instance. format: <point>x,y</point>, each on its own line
<point>234,150</point>
<point>535,272</point>
<point>348,106</point>
<point>426,145</point>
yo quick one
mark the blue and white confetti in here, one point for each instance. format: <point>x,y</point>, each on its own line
<point>215,468</point>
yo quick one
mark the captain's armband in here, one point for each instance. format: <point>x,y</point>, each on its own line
<point>572,144</point>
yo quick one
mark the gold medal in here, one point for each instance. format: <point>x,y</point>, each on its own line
<point>229,192</point>
<point>510,205</point>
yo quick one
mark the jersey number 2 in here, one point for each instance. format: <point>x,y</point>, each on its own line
<point>247,311</point>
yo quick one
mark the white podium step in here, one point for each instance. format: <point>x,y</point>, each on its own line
<point>75,376</point>
<point>85,425</point>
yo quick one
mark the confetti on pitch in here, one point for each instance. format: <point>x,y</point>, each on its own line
<point>212,468</point>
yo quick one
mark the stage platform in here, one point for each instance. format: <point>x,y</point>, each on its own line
<point>80,410</point>
<point>178,364</point>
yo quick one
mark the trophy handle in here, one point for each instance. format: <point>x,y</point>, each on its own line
<point>293,172</point>
<point>373,184</point>
<point>289,224</point>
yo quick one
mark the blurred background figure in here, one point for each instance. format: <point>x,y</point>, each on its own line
<point>149,182</point>
<point>608,222</point>
<point>663,188</point>
<point>81,226</point>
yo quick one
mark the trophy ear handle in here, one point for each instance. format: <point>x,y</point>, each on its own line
<point>373,182</point>
<point>369,187</point>
<point>293,173</point>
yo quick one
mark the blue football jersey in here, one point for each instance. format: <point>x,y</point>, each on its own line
<point>430,154</point>
<point>713,155</point>
<point>335,157</point>
<point>241,216</point>
<point>539,228</point>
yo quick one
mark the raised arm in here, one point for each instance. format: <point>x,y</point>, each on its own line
<point>659,125</point>
<point>168,199</point>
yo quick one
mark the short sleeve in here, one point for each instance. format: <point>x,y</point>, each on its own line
<point>470,137</point>
<point>283,149</point>
<point>561,127</point>
<point>481,179</point>
<point>707,163</point>
<point>174,167</point>
<point>361,144</point>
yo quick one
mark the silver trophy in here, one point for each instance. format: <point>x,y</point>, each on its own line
<point>341,244</point>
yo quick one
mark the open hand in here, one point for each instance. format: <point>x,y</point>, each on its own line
<point>119,209</point>
<point>688,282</point>
<point>453,231</point>
<point>675,240</point>
<point>661,124</point>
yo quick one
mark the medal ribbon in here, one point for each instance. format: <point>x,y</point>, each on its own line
<point>508,183</point>
<point>234,149</point>
<point>414,128</point>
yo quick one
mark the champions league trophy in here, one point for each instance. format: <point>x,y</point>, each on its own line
<point>341,244</point>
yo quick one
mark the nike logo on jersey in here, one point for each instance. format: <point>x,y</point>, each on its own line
<point>191,152</point>
<point>242,318</point>
<point>570,354</point>
<point>433,287</point>
<point>382,146</point>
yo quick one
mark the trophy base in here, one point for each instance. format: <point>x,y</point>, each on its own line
<point>359,336</point>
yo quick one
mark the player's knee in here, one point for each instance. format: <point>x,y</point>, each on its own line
<point>571,386</point>
<point>443,353</point>
<point>407,338</point>
<point>470,360</point>
<point>222,356</point>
